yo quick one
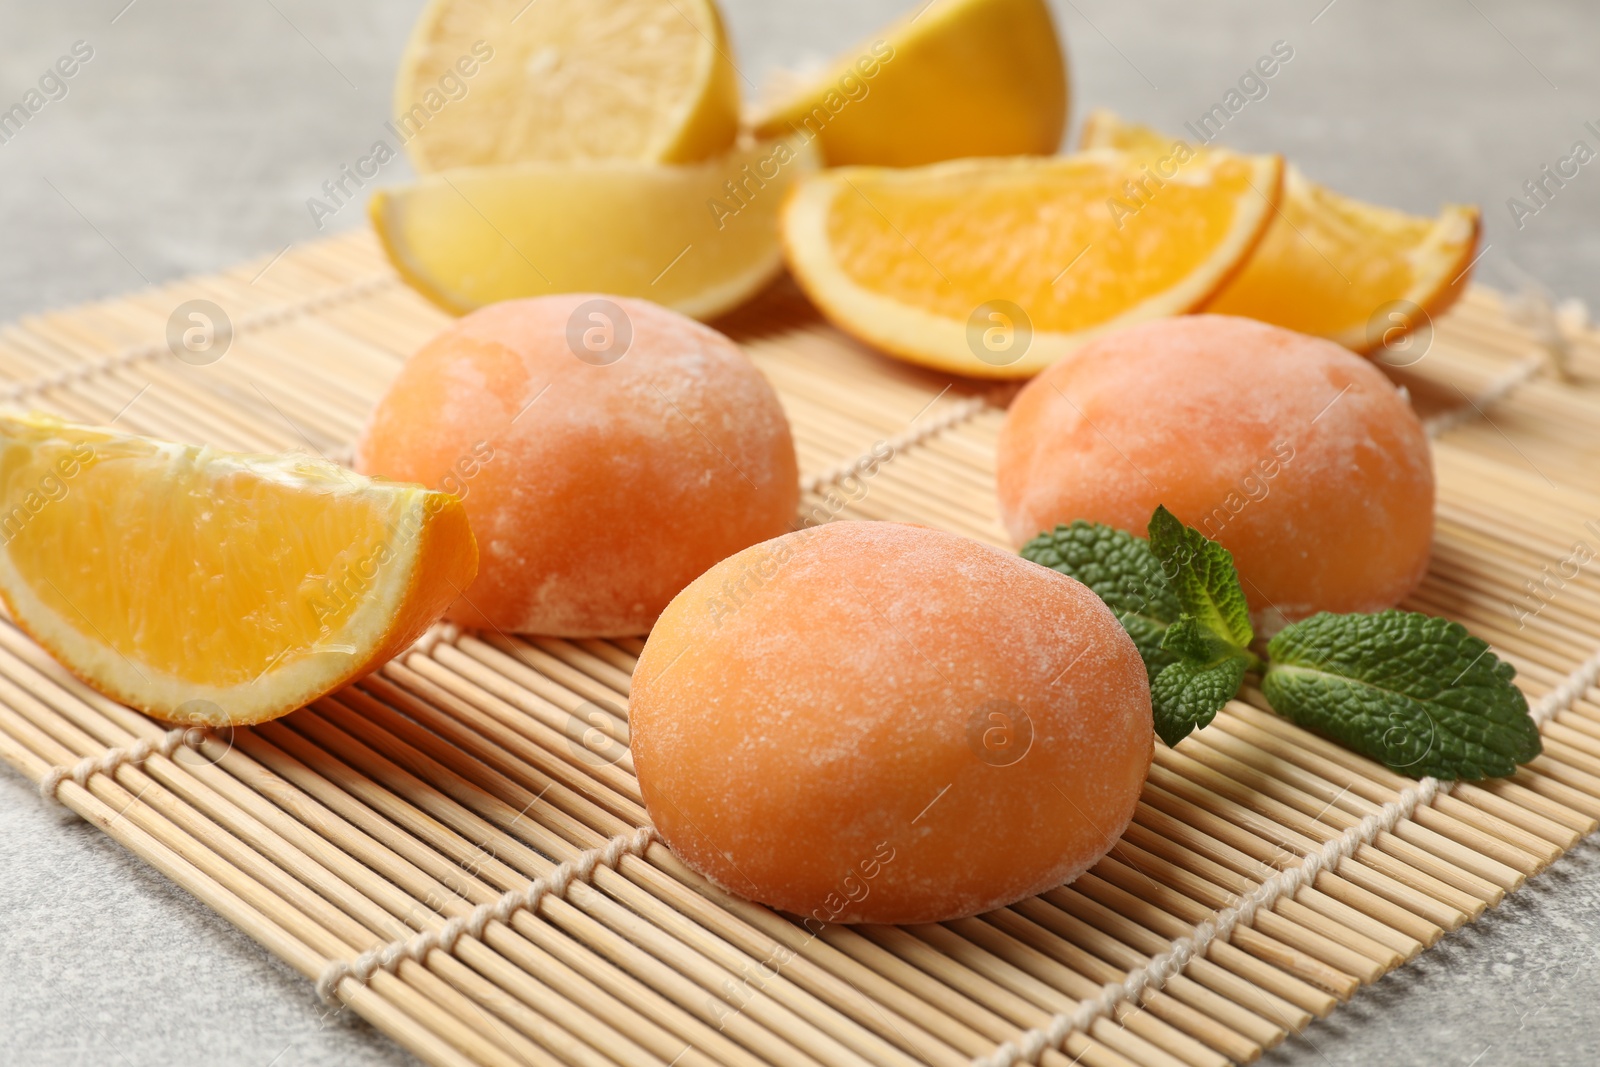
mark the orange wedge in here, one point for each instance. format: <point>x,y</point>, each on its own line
<point>1333,266</point>
<point>210,587</point>
<point>996,268</point>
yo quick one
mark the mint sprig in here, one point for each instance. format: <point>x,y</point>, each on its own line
<point>1419,694</point>
<point>1178,597</point>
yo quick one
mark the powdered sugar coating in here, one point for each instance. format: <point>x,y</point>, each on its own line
<point>596,492</point>
<point>811,725</point>
<point>1300,457</point>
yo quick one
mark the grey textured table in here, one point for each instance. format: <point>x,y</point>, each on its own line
<point>196,132</point>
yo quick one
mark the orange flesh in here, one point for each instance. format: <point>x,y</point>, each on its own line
<point>1328,262</point>
<point>210,587</point>
<point>99,564</point>
<point>814,724</point>
<point>949,246</point>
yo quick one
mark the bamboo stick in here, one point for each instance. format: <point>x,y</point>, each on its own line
<point>240,900</point>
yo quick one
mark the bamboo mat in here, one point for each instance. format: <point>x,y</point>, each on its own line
<point>466,769</point>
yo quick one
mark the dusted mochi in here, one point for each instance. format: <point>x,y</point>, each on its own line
<point>1299,457</point>
<point>598,487</point>
<point>874,722</point>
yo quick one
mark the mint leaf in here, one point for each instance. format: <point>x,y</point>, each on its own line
<point>1188,694</point>
<point>1417,693</point>
<point>1189,640</point>
<point>1202,577</point>
<point>1118,568</point>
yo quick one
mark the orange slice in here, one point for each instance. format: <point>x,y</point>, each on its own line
<point>998,267</point>
<point>210,587</point>
<point>1333,266</point>
<point>951,79</point>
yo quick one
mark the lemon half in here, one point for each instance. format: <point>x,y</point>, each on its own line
<point>503,81</point>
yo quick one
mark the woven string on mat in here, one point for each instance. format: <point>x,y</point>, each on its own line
<point>261,320</point>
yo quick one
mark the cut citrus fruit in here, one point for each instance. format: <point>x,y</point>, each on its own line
<point>502,81</point>
<point>699,238</point>
<point>997,268</point>
<point>216,588</point>
<point>1333,266</point>
<point>956,78</point>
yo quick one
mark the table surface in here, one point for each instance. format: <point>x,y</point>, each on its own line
<point>193,137</point>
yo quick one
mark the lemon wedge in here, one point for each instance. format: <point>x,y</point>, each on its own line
<point>951,79</point>
<point>698,238</point>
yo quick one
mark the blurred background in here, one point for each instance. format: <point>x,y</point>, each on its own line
<point>194,133</point>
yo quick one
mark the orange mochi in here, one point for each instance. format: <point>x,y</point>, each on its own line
<point>1299,457</point>
<point>876,722</point>
<point>607,451</point>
